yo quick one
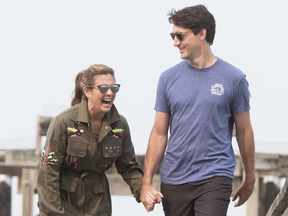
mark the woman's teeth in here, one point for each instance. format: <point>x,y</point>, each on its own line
<point>106,101</point>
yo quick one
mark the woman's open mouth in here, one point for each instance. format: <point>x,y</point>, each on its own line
<point>107,101</point>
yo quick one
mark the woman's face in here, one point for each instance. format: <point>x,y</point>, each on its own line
<point>97,101</point>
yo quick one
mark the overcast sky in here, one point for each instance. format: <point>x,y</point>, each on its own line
<point>44,44</point>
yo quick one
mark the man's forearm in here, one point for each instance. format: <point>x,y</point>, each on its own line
<point>247,151</point>
<point>154,154</point>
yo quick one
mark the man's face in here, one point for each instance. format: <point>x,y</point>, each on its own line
<point>189,47</point>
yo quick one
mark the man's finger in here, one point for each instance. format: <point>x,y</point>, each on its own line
<point>235,196</point>
<point>150,199</point>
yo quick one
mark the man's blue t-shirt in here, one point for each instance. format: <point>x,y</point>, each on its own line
<point>201,103</point>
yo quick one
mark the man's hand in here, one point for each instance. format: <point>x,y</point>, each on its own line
<point>243,192</point>
<point>150,196</point>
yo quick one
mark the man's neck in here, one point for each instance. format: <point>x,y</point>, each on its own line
<point>204,60</point>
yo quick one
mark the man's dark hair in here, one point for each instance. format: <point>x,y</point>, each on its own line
<point>195,18</point>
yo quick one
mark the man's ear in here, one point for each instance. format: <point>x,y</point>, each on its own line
<point>202,34</point>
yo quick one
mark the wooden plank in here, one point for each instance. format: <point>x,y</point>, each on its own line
<point>23,157</point>
<point>27,191</point>
<point>10,170</point>
<point>43,123</point>
<point>280,205</point>
<point>285,213</point>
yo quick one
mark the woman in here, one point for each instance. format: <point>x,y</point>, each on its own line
<point>82,143</point>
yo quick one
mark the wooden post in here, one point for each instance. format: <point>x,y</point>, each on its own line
<point>38,140</point>
<point>42,128</point>
<point>27,191</point>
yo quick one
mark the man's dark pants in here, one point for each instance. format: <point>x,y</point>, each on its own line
<point>209,197</point>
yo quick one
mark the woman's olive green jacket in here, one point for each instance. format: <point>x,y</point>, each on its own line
<point>71,178</point>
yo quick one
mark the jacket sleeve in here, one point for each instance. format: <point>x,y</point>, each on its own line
<point>128,166</point>
<point>48,185</point>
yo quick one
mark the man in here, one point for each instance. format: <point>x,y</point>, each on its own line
<point>200,99</point>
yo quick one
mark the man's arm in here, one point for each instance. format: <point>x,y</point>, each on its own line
<point>155,152</point>
<point>245,139</point>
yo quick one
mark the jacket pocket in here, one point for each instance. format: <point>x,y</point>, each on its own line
<point>76,147</point>
<point>100,201</point>
<point>76,151</point>
<point>68,182</point>
<point>68,186</point>
<point>112,148</point>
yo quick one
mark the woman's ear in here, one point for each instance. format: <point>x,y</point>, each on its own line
<point>87,92</point>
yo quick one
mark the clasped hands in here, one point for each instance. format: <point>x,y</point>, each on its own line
<point>149,197</point>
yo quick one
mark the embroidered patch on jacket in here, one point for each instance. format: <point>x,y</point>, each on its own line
<point>105,165</point>
<point>112,151</point>
<point>217,89</point>
<point>133,159</point>
<point>47,156</point>
<point>116,133</point>
<point>75,131</point>
<point>71,161</point>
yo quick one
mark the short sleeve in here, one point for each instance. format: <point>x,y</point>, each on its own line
<point>161,103</point>
<point>241,98</point>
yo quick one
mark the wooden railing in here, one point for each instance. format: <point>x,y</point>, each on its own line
<point>280,205</point>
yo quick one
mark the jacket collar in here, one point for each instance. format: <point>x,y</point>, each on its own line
<point>83,114</point>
